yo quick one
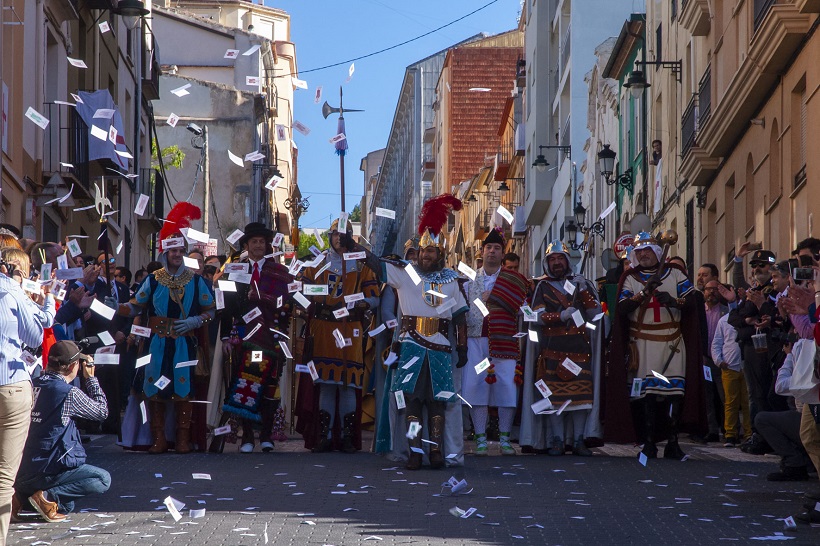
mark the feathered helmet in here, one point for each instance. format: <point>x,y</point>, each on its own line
<point>433,218</point>
<point>555,247</point>
<point>644,239</point>
<point>411,244</point>
<point>178,218</point>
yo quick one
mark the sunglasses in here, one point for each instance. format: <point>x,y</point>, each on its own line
<point>110,260</point>
<point>758,265</point>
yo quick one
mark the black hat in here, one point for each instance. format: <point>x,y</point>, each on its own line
<point>763,256</point>
<point>256,229</point>
<point>64,353</point>
<point>495,236</point>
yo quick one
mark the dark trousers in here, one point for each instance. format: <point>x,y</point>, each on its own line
<point>781,429</point>
<point>758,374</point>
<point>715,399</point>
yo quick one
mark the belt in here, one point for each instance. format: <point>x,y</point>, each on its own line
<point>427,344</point>
<point>658,326</point>
<point>326,313</point>
<point>562,330</point>
<point>426,326</point>
<point>561,355</point>
<point>164,327</point>
<point>639,334</point>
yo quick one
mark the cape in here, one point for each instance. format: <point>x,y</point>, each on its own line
<point>617,415</point>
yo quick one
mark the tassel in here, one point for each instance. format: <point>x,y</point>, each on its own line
<point>519,374</point>
<point>491,378</point>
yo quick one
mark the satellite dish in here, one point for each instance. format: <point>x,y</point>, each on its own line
<point>608,259</point>
<point>640,222</point>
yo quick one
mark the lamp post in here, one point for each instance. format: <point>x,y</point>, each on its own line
<point>578,223</point>
<point>606,164</point>
<point>637,85</point>
<point>131,11</point>
<point>341,147</point>
<point>541,163</point>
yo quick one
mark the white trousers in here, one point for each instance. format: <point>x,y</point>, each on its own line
<point>475,389</point>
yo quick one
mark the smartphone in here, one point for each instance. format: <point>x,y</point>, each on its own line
<point>802,274</point>
<point>805,261</point>
<point>755,246</point>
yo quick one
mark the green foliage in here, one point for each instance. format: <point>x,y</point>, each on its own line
<point>308,239</point>
<point>172,156</point>
<point>356,214</point>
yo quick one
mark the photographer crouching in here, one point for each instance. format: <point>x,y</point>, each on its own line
<point>53,473</point>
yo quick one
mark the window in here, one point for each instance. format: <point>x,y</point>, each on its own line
<point>658,45</point>
<point>673,9</point>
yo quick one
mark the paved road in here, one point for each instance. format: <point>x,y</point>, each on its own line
<point>301,498</point>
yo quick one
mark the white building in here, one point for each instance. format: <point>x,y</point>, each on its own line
<point>560,42</point>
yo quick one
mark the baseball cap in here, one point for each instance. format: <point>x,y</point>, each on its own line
<point>64,353</point>
<point>763,257</point>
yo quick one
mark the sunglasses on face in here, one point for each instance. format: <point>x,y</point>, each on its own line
<point>110,260</point>
<point>758,265</point>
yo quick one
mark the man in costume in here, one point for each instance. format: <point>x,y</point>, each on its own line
<point>565,351</point>
<point>254,345</point>
<point>336,326</point>
<point>495,372</point>
<point>178,303</point>
<point>656,352</point>
<point>429,299</point>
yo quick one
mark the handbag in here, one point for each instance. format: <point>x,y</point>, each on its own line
<point>805,383</point>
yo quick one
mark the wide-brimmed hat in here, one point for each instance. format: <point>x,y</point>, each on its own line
<point>256,229</point>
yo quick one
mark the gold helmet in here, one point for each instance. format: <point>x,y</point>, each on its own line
<point>433,218</point>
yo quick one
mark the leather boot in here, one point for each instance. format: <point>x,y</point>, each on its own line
<point>324,444</point>
<point>415,457</point>
<point>436,435</point>
<point>184,410</point>
<point>157,410</point>
<point>650,410</point>
<point>348,429</point>
<point>16,506</point>
<point>672,449</point>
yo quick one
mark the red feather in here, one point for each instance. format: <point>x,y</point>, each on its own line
<point>434,212</point>
<point>179,217</point>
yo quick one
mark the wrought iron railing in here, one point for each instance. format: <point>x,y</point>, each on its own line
<point>566,48</point>
<point>800,177</point>
<point>705,97</point>
<point>762,8</point>
<point>689,126</point>
<point>66,141</point>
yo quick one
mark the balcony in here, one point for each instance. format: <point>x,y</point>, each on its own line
<point>694,16</point>
<point>428,168</point>
<point>151,71</point>
<point>762,8</point>
<point>705,97</point>
<point>566,50</point>
<point>800,178</point>
<point>689,126</point>
<point>779,34</point>
<point>66,141</point>
<point>505,155</point>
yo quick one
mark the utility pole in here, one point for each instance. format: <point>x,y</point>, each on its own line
<point>207,180</point>
<point>341,146</point>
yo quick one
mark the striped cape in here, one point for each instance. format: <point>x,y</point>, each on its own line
<point>507,296</point>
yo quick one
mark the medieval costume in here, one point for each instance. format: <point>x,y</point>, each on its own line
<point>178,302</point>
<point>655,359</point>
<point>430,300</point>
<point>256,353</point>
<point>335,344</point>
<point>566,353</point>
<point>494,374</point>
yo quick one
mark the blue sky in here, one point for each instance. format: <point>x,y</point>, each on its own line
<point>329,32</point>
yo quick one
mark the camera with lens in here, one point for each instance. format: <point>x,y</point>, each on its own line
<point>8,267</point>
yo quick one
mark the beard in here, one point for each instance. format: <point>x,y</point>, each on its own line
<point>428,266</point>
<point>762,278</point>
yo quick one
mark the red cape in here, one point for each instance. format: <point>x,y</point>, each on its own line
<point>617,415</point>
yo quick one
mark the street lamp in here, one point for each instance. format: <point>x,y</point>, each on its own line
<point>503,187</point>
<point>606,163</point>
<point>540,162</point>
<point>577,223</point>
<point>131,11</point>
<point>636,83</point>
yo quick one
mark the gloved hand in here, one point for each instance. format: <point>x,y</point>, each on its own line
<point>664,298</point>
<point>183,326</point>
<point>567,313</point>
<point>462,356</point>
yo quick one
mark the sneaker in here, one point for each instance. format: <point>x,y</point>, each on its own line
<point>267,447</point>
<point>46,508</point>
<point>712,437</point>
<point>731,442</point>
<point>246,448</point>
<point>506,447</point>
<point>481,444</point>
<point>557,447</point>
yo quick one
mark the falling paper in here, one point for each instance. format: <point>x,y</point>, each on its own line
<point>174,506</point>
<point>661,377</point>
<point>102,309</point>
<point>481,366</point>
<point>386,213</point>
<point>104,27</point>
<point>236,160</point>
<point>337,138</point>
<point>505,214</point>
<point>350,71</point>
<point>299,84</point>
<point>252,80</point>
<point>413,275</point>
<point>36,117</point>
<point>607,210</point>
<point>103,113</point>
<point>231,54</point>
<point>142,361</point>
<point>301,127</point>
<point>481,307</point>
<point>318,96</point>
<point>181,91</point>
<point>466,270</point>
<point>79,63</point>
<point>254,48</point>
<point>172,120</point>
<point>96,132</point>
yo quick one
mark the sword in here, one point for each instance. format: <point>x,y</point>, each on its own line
<point>675,350</point>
